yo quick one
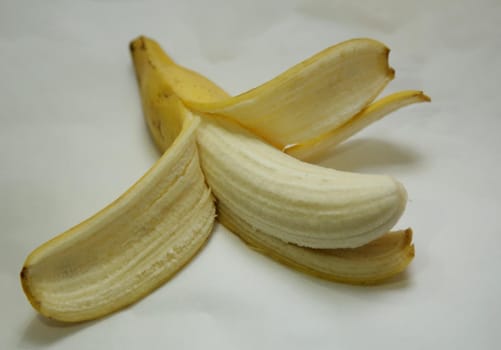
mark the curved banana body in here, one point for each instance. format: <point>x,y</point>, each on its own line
<point>132,246</point>
<point>293,201</point>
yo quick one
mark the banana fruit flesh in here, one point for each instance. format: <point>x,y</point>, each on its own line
<point>324,222</point>
<point>132,246</point>
<point>293,201</point>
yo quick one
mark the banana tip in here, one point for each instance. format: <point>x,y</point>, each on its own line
<point>138,43</point>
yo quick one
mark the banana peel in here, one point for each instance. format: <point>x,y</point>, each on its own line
<point>318,146</point>
<point>318,94</point>
<point>132,246</point>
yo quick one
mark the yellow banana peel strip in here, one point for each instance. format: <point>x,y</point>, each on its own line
<point>316,95</point>
<point>315,148</point>
<point>132,246</point>
<point>370,264</point>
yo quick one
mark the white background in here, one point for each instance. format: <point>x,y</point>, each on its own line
<point>72,139</point>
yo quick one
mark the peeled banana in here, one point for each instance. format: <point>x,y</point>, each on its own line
<point>293,201</point>
<point>325,222</point>
<point>277,204</point>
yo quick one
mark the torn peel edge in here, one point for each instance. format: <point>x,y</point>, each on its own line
<point>315,147</point>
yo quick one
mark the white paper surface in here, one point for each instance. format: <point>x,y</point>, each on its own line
<point>72,139</point>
